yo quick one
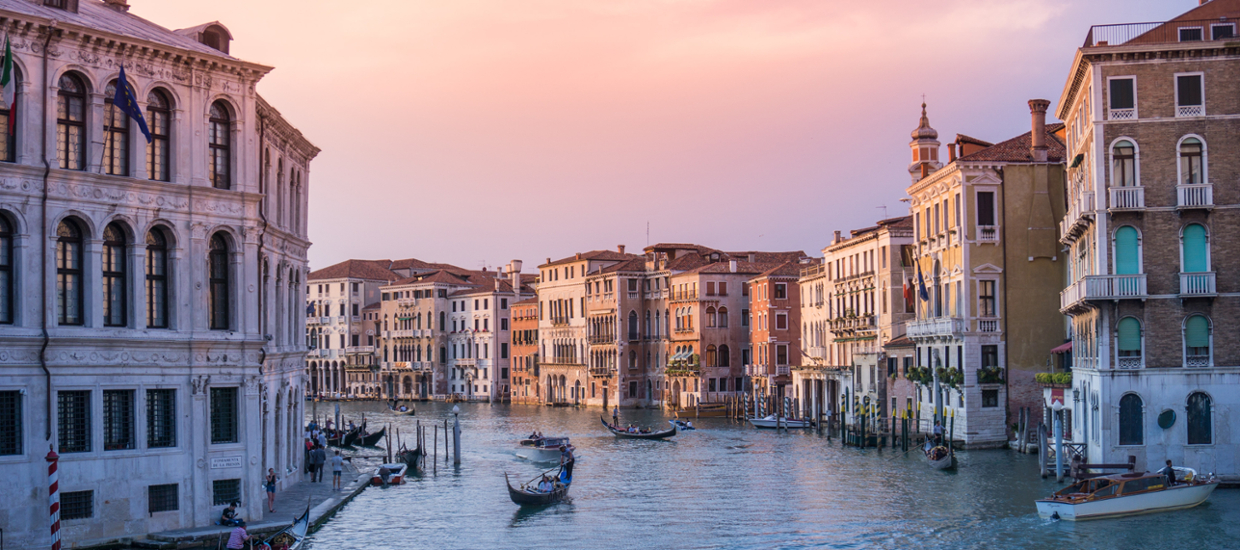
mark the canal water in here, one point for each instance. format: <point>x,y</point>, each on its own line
<point>727,485</point>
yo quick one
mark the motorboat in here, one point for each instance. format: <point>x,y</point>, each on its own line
<point>389,474</point>
<point>528,495</point>
<point>1127,495</point>
<point>624,434</point>
<point>546,449</point>
<point>771,421</point>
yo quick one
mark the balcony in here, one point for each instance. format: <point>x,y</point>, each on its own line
<point>1102,287</point>
<point>402,334</point>
<point>783,370</point>
<point>988,325</point>
<point>1197,285</point>
<point>1194,195</point>
<point>1126,198</point>
<point>359,350</point>
<point>1128,362</point>
<point>987,233</point>
<point>756,370</point>
<point>1078,218</point>
<point>937,327</point>
<point>1182,111</point>
<point>600,339</point>
<point>1122,114</point>
<point>1218,31</point>
<point>817,352</point>
<point>325,320</point>
<point>601,372</point>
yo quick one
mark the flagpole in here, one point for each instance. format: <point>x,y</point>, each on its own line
<point>107,134</point>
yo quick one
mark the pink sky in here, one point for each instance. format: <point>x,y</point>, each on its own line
<point>474,131</point>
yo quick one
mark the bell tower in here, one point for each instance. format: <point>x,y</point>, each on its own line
<point>925,146</point>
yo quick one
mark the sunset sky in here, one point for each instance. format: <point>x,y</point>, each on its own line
<point>478,131</point>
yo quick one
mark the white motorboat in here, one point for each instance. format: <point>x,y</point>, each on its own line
<point>545,450</point>
<point>1127,495</point>
<point>389,474</point>
<point>772,422</point>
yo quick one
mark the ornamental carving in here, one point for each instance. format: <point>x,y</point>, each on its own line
<point>200,384</point>
<point>219,207</point>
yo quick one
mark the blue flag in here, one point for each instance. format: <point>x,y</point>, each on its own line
<point>921,286</point>
<point>126,101</point>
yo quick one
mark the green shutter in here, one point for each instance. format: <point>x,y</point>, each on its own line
<point>1197,332</point>
<point>1195,249</point>
<point>1129,334</point>
<point>1126,262</point>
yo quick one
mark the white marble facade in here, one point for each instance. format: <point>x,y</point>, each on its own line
<point>125,388</point>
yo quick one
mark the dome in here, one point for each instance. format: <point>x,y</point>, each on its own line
<point>924,131</point>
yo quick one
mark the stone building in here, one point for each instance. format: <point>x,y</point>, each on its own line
<point>524,340</point>
<point>341,342</point>
<point>479,358</point>
<point>775,330</point>
<point>1151,114</point>
<point>986,246</point>
<point>416,339</point>
<point>150,292</point>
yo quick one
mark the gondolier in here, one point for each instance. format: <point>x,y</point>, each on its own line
<point>566,461</point>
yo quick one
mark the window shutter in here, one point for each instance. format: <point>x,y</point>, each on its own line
<point>1126,251</point>
<point>1190,89</point>
<point>1197,332</point>
<point>1129,334</point>
<point>1121,93</point>
<point>1194,249</point>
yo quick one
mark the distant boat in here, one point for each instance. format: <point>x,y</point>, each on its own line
<point>704,410</point>
<point>648,435</point>
<point>291,537</point>
<point>1127,495</point>
<point>395,474</point>
<point>546,449</point>
<point>531,496</point>
<point>370,440</point>
<point>682,424</point>
<point>772,422</point>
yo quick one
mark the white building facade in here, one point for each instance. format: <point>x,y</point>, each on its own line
<point>151,318</point>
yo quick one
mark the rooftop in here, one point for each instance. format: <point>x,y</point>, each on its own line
<point>374,270</point>
<point>1018,149</point>
<point>1213,21</point>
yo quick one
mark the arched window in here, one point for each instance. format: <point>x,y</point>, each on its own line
<point>1131,420</point>
<point>7,271</point>
<point>1127,255</point>
<point>71,123</point>
<point>647,327</point>
<point>69,273</point>
<point>1195,249</point>
<point>1128,343</point>
<point>1197,341</point>
<point>159,122</point>
<point>9,115</point>
<point>633,334</point>
<point>633,359</point>
<point>217,270</point>
<point>725,356</point>
<point>1123,164</point>
<point>441,321</point>
<point>1200,429</point>
<point>723,317</point>
<point>220,146</point>
<point>115,135</point>
<point>443,354</point>
<point>114,262</point>
<point>712,356</point>
<point>1192,167</point>
<point>710,317</point>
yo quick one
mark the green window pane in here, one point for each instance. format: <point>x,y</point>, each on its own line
<point>1126,262</point>
<point>1197,332</point>
<point>1195,249</point>
<point>1129,334</point>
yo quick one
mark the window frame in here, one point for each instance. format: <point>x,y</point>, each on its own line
<point>218,283</point>
<point>8,270</point>
<point>65,274</point>
<point>9,150</point>
<point>1209,259</point>
<point>115,136</point>
<point>224,435</point>
<point>1175,84</point>
<point>1179,33</point>
<point>1140,252</point>
<point>1188,417</point>
<point>156,285</point>
<point>1140,421</point>
<point>120,421</point>
<point>12,435</point>
<point>1110,96</point>
<point>1136,162</point>
<point>219,152</point>
<point>1209,340</point>
<point>64,100</point>
<point>1179,162</point>
<point>154,115</point>
<point>115,255</point>
<point>1213,26</point>
<point>993,299</point>
<point>977,210</point>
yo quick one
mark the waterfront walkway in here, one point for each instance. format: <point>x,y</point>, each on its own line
<point>290,503</point>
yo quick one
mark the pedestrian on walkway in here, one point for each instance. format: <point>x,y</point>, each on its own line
<point>270,484</point>
<point>319,457</point>
<point>322,440</point>
<point>337,470</point>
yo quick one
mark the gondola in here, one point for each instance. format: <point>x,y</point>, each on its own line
<point>371,439</point>
<point>343,439</point>
<point>408,411</point>
<point>411,457</point>
<point>291,537</point>
<point>626,435</point>
<point>946,458</point>
<point>527,497</point>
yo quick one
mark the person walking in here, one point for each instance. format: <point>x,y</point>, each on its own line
<point>319,456</point>
<point>322,441</point>
<point>269,483</point>
<point>337,471</point>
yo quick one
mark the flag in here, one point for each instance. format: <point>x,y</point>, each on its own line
<point>921,286</point>
<point>127,102</point>
<point>8,84</point>
<point>908,291</point>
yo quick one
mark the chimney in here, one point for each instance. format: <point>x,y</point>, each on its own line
<point>498,280</point>
<point>925,170</point>
<point>1037,108</point>
<point>752,259</point>
<point>620,248</point>
<point>732,266</point>
<point>578,256</point>
<point>514,273</point>
<point>951,152</point>
<point>838,237</point>
<point>118,5</point>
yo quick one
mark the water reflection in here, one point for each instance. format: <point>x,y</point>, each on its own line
<point>726,485</point>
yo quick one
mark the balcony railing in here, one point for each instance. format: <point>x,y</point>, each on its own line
<point>1190,110</point>
<point>988,325</point>
<point>783,370</point>
<point>1103,287</point>
<point>987,233</point>
<point>1078,216</point>
<point>1128,362</point>
<point>1127,198</point>
<point>1194,195</point>
<point>1197,284</point>
<point>1122,114</point>
<point>359,349</point>
<point>1197,361</point>
<point>936,327</point>
<point>1168,32</point>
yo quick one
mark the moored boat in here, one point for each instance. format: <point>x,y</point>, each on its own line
<point>648,435</point>
<point>369,440</point>
<point>704,410</point>
<point>413,458</point>
<point>772,422</point>
<point>1127,495</point>
<point>531,496</point>
<point>389,474</point>
<point>291,537</point>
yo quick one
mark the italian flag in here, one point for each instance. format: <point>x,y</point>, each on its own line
<point>8,84</point>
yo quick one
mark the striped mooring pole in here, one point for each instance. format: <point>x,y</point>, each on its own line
<point>53,489</point>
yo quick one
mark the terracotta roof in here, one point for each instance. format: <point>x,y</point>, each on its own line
<point>687,262</point>
<point>636,264</point>
<point>439,276</point>
<point>504,286</point>
<point>770,257</point>
<point>786,269</point>
<point>902,221</point>
<point>95,14</point>
<point>604,255</point>
<point>1017,149</point>
<point>375,305</point>
<point>355,269</point>
<point>742,268</point>
<point>961,138</point>
<point>901,342</point>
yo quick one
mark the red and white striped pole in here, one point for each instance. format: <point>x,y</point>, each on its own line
<point>53,489</point>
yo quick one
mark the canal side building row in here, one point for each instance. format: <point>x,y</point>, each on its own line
<point>151,315</point>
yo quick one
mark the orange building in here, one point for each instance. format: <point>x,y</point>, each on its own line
<point>524,343</point>
<point>775,331</point>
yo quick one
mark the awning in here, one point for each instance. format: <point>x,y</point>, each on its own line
<point>1063,348</point>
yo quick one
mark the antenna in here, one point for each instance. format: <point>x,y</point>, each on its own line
<point>647,232</point>
<point>884,207</point>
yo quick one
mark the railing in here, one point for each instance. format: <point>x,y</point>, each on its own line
<point>601,339</point>
<point>1076,218</point>
<point>1190,110</point>
<point>402,334</point>
<point>1129,362</point>
<point>783,370</point>
<point>987,233</point>
<point>1197,361</point>
<point>1202,30</point>
<point>1197,284</point>
<point>988,325</point>
<point>1086,362</point>
<point>359,349</point>
<point>1103,287</point>
<point>755,370</point>
<point>938,326</point>
<point>325,320</point>
<point>817,352</point>
<point>634,295</point>
<point>1122,114</point>
<point>601,371</point>
<point>1194,195</point>
<point>1127,198</point>
<point>813,270</point>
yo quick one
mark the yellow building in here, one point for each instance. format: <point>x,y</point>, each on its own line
<point>988,275</point>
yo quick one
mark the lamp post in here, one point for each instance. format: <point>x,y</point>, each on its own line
<point>1057,407</point>
<point>456,435</point>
